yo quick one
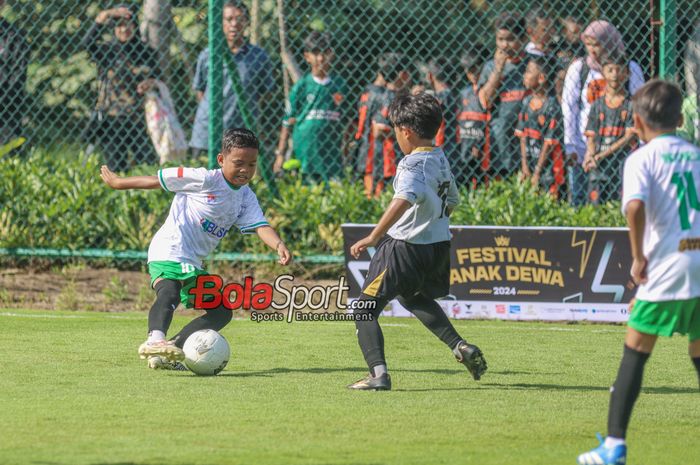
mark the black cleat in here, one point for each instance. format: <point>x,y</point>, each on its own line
<point>369,383</point>
<point>472,358</point>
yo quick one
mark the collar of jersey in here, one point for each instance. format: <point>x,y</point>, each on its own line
<point>668,134</point>
<point>422,149</point>
<point>235,188</point>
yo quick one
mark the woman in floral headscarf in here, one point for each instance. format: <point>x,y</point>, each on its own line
<point>581,87</point>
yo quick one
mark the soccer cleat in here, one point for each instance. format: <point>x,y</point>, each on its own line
<point>156,362</point>
<point>604,455</point>
<point>370,383</point>
<point>471,357</point>
<point>166,349</point>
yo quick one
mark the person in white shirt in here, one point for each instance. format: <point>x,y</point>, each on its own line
<point>583,84</point>
<point>412,239</point>
<point>660,201</point>
<point>206,205</point>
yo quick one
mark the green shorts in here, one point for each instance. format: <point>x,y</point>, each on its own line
<point>180,271</point>
<point>667,318</point>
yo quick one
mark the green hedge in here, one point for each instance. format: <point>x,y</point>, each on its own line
<point>59,201</point>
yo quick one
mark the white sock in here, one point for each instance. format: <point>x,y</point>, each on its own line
<point>156,336</point>
<point>611,442</point>
<point>378,370</point>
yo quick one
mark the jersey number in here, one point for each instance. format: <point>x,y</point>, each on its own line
<point>687,196</point>
<point>187,268</point>
<point>442,193</point>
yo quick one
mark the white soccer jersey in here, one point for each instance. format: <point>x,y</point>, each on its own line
<point>203,211</point>
<point>665,175</point>
<point>424,179</point>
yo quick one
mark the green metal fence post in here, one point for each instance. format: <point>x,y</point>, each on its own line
<point>215,79</point>
<point>667,40</point>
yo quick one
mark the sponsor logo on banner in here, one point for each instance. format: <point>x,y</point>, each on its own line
<point>514,309</point>
<point>500,309</point>
<point>578,310</point>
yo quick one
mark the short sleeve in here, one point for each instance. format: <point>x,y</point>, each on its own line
<point>251,216</point>
<point>635,182</point>
<point>293,109</point>
<point>452,193</point>
<point>410,183</point>
<point>485,73</point>
<point>381,116</point>
<point>200,73</point>
<point>182,179</point>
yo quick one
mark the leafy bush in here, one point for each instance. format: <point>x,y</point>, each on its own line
<point>58,201</point>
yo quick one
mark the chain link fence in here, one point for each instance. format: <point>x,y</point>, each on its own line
<point>89,82</point>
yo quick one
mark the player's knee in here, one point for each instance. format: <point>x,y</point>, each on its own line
<point>168,292</point>
<point>411,301</point>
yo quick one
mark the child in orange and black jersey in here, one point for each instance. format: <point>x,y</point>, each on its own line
<point>440,75</point>
<point>369,102</point>
<point>540,127</point>
<point>381,168</point>
<point>470,165</point>
<point>610,132</point>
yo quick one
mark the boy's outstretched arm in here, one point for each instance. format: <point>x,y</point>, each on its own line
<point>396,209</point>
<point>273,241</point>
<point>636,219</point>
<point>130,182</point>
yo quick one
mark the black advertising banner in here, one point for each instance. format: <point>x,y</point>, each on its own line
<point>526,273</point>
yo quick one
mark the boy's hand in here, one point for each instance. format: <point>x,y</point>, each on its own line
<point>285,257</point>
<point>361,245</point>
<point>145,85</point>
<point>524,173</point>
<point>535,180</point>
<point>639,271</point>
<point>109,177</point>
<point>279,161</point>
<point>499,60</point>
<point>476,153</point>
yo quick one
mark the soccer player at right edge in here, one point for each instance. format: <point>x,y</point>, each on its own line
<point>660,200</point>
<point>412,262</point>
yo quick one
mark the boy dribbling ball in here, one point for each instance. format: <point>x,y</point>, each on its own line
<point>207,204</point>
<point>660,200</point>
<point>412,260</point>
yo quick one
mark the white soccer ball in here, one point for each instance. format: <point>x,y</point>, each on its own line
<point>206,352</point>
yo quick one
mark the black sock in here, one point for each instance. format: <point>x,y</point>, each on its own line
<point>214,319</point>
<point>431,315</point>
<point>370,336</point>
<point>167,299</point>
<point>625,391</point>
<point>696,362</point>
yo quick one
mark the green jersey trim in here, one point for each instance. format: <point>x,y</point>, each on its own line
<point>162,181</point>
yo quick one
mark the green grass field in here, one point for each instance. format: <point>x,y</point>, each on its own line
<point>73,391</point>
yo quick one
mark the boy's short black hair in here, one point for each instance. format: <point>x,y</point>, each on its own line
<point>442,69</point>
<point>420,113</point>
<point>474,57</point>
<point>659,104</point>
<point>391,65</point>
<point>614,57</point>
<point>548,65</point>
<point>238,138</point>
<point>239,6</point>
<point>511,22</point>
<point>317,41</point>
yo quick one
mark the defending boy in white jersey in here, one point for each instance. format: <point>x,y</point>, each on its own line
<point>412,260</point>
<point>660,200</point>
<point>207,204</point>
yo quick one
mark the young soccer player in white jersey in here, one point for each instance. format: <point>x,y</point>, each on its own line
<point>412,260</point>
<point>660,200</point>
<point>207,204</point>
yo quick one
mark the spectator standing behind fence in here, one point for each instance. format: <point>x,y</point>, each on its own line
<point>501,92</point>
<point>540,128</point>
<point>584,84</point>
<point>254,70</point>
<point>369,103</point>
<point>315,115</point>
<point>126,68</point>
<point>471,121</point>
<point>540,31</point>
<point>440,73</point>
<point>386,149</point>
<point>609,133</point>
<point>569,46</point>
<point>14,56</point>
